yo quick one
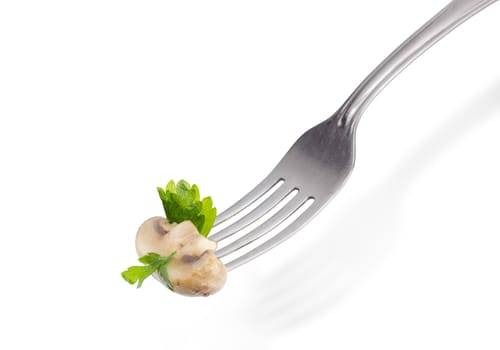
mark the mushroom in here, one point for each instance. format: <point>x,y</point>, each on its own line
<point>195,269</point>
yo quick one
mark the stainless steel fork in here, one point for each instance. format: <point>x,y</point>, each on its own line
<point>320,161</point>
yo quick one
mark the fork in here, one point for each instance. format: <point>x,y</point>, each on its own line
<point>321,160</point>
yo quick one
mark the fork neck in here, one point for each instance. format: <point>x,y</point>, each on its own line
<point>450,17</point>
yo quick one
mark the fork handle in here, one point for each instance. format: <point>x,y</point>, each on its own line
<point>450,17</point>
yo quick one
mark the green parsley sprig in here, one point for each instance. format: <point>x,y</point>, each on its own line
<point>152,263</point>
<point>182,202</point>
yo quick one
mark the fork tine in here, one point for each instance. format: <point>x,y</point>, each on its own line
<point>265,227</point>
<point>283,235</point>
<point>270,202</point>
<point>262,188</point>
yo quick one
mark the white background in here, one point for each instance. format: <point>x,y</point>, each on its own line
<point>102,101</point>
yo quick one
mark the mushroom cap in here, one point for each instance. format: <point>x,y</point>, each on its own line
<point>157,235</point>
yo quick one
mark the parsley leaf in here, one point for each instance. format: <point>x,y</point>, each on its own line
<point>182,202</point>
<point>153,263</point>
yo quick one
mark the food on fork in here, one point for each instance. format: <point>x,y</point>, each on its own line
<point>176,249</point>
